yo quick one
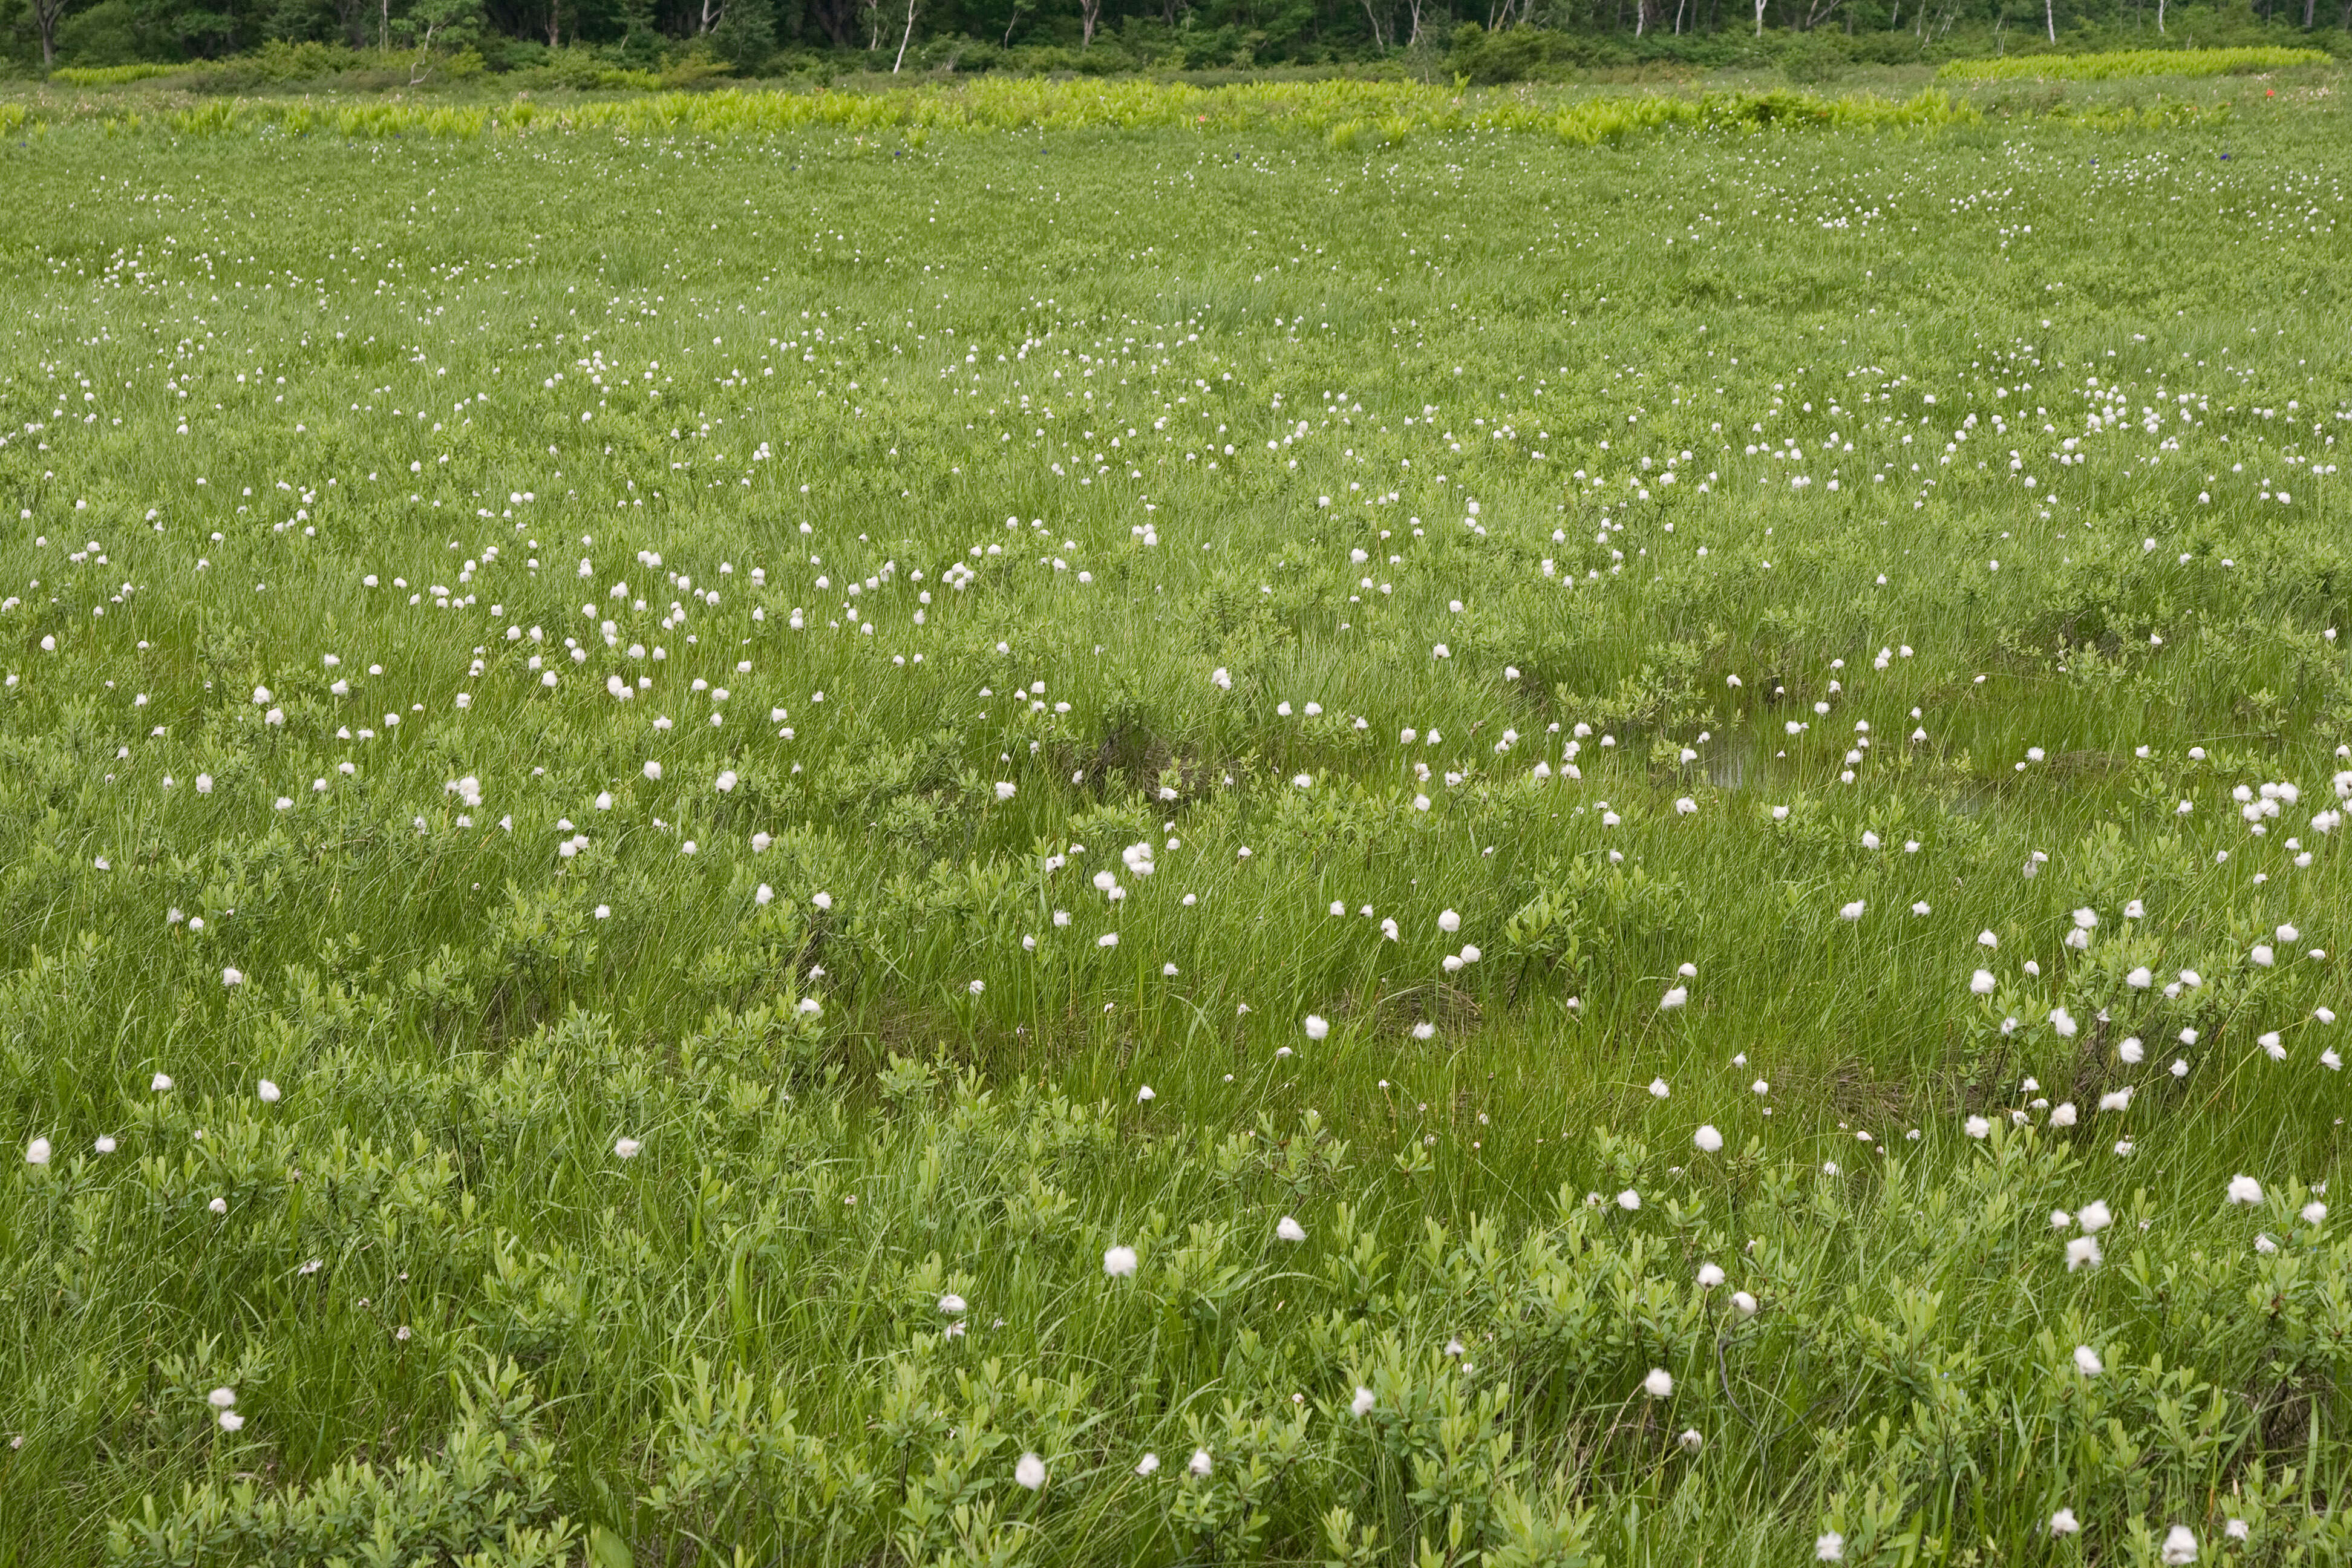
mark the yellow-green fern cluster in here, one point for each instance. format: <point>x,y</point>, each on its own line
<point>110,76</point>
<point>1350,116</point>
<point>2124,63</point>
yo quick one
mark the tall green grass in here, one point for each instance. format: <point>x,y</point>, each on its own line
<point>720,1160</point>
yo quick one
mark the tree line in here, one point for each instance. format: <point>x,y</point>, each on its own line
<point>582,42</point>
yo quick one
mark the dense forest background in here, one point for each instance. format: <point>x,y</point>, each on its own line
<point>591,42</point>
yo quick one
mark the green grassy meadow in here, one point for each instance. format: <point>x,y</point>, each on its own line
<point>1298,829</point>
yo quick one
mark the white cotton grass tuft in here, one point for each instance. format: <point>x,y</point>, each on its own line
<point>1148,1465</point>
<point>1317,1027</point>
<point>2087,1362</point>
<point>1030,1471</point>
<point>1829,1547</point>
<point>1659,1383</point>
<point>2063,1522</point>
<point>627,1148</point>
<point>2244,1189</point>
<point>1290,1229</point>
<point>268,1092</point>
<point>1707,1140</point>
<point>1363,1404</point>
<point>2179,1547</point>
<point>37,1153</point>
<point>1118,1262</point>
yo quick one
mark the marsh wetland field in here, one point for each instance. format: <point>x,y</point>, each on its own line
<point>1085,823</point>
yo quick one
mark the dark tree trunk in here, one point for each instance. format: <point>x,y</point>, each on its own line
<point>839,18</point>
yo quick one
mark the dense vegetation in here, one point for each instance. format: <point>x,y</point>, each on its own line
<point>580,43</point>
<point>1102,824</point>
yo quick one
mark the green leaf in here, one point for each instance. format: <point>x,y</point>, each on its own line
<point>608,1550</point>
